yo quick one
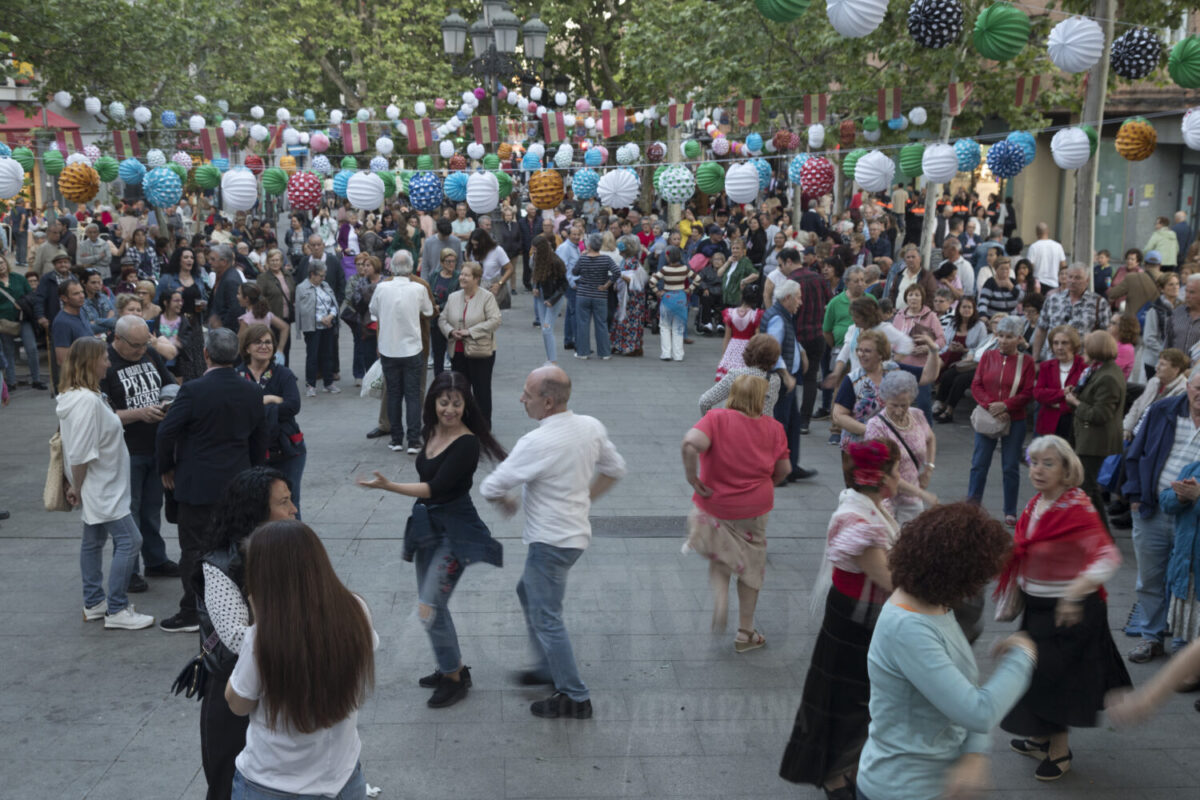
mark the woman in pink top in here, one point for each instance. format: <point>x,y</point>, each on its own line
<point>1126,330</point>
<point>916,318</point>
<point>733,458</point>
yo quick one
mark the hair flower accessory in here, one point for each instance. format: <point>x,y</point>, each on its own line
<point>869,458</point>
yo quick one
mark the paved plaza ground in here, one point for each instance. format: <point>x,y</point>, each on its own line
<point>87,713</point>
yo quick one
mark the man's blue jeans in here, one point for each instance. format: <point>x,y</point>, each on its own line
<point>403,378</point>
<point>438,572</point>
<point>145,504</point>
<point>354,789</point>
<point>1010,463</point>
<point>569,319</point>
<point>592,312</point>
<point>1152,542</point>
<point>126,541</point>
<point>541,591</point>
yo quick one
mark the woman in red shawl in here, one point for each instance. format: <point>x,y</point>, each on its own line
<point>1061,556</point>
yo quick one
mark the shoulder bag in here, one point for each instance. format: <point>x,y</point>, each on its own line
<point>54,495</point>
<point>982,420</point>
<point>8,326</point>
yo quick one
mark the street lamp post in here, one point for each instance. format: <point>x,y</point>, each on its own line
<point>494,42</point>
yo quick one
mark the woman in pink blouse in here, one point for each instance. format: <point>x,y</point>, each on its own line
<point>909,429</point>
<point>916,318</point>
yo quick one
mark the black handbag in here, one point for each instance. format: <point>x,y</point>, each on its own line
<point>194,676</point>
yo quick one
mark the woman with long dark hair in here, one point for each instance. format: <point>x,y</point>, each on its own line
<point>254,496</point>
<point>497,266</point>
<point>302,693</point>
<point>444,533</point>
<point>549,291</point>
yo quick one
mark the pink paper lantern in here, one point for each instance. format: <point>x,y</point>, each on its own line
<point>503,93</point>
<point>816,176</point>
<point>720,146</point>
<point>582,105</point>
<point>532,110</point>
<point>480,93</point>
<point>794,142</point>
<point>603,154</point>
<point>318,142</point>
<point>439,103</point>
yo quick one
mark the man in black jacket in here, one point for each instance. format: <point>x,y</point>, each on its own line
<point>225,309</point>
<point>215,429</point>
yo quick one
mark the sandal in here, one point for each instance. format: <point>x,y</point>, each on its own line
<point>1049,769</point>
<point>1028,747</point>
<point>754,640</point>
<point>944,417</point>
<point>1010,520</point>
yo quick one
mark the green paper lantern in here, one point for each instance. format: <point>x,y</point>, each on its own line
<point>871,123</point>
<point>389,183</point>
<point>178,170</point>
<point>274,181</point>
<point>851,160</point>
<point>404,176</point>
<point>910,159</point>
<point>53,162</point>
<point>207,176</point>
<point>691,149</point>
<point>1093,137</point>
<point>1001,32</point>
<point>24,157</point>
<point>107,167</point>
<point>782,10</point>
<point>710,178</point>
<point>424,163</point>
<point>504,181</point>
<point>1184,63</point>
<point>491,161</point>
<point>350,162</point>
<point>658,174</point>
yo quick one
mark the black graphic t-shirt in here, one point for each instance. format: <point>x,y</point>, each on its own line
<point>136,384</point>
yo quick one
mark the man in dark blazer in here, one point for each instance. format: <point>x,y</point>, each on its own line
<point>225,309</point>
<point>531,226</point>
<point>335,276</point>
<point>215,429</point>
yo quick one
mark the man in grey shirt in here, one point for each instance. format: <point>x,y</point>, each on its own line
<point>431,251</point>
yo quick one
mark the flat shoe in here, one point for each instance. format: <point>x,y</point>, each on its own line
<point>1049,769</point>
<point>754,640</point>
<point>1028,747</point>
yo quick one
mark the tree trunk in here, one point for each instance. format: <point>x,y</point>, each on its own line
<point>1083,237</point>
<point>674,156</point>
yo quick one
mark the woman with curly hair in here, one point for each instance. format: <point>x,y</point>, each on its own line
<point>855,581</point>
<point>930,717</point>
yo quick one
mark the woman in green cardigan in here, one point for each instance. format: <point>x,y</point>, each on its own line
<point>738,274</point>
<point>1098,401</point>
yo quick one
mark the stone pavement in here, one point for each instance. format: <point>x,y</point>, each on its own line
<point>87,712</point>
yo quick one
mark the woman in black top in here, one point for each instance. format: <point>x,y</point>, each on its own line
<point>444,533</point>
<point>756,241</point>
<point>549,290</point>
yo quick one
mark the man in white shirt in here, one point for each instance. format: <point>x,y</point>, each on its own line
<point>563,465</point>
<point>1047,257</point>
<point>462,225</point>
<point>398,305</point>
<point>952,252</point>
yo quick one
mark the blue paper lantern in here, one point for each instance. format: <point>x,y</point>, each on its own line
<point>379,164</point>
<point>455,186</point>
<point>5,150</point>
<point>320,164</point>
<point>593,157</point>
<point>764,169</point>
<point>530,162</point>
<point>1005,159</point>
<point>795,167</point>
<point>1028,145</point>
<point>425,191</point>
<point>462,115</point>
<point>754,142</point>
<point>310,115</point>
<point>132,171</point>
<point>168,119</point>
<point>896,123</point>
<point>584,183</point>
<point>968,154</point>
<point>340,181</point>
<point>221,163</point>
<point>162,187</point>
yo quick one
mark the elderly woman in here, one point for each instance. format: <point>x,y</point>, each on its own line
<point>1157,319</point>
<point>858,396</point>
<point>733,458</point>
<point>365,332</point>
<point>917,317</point>
<point>469,321</point>
<point>1003,389</point>
<point>1061,557</point>
<point>316,316</point>
<point>931,718</point>
<point>278,288</point>
<point>909,429</point>
<point>1169,380</point>
<point>1097,402</point>
<point>760,357</point>
<point>146,290</point>
<point>999,292</point>
<point>1054,376</point>
<point>630,321</point>
<point>855,581</point>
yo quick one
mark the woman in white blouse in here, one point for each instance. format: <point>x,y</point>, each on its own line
<point>96,468</point>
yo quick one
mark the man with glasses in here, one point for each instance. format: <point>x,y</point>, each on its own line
<point>133,384</point>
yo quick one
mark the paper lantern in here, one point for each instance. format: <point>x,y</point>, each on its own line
<point>875,172</point>
<point>658,173</point>
<point>564,156</point>
<point>530,162</point>
<point>175,167</point>
<point>168,119</point>
<point>855,18</point>
<point>619,189</point>
<point>221,163</point>
<point>182,159</point>
<point>504,181</point>
<point>446,148</point>
<point>1135,54</point>
<point>108,168</point>
<point>1184,63</point>
<point>389,183</point>
<point>206,176</point>
<point>53,162</point>
<point>764,172</point>
<point>425,191</point>
<point>365,191</point>
<point>897,123</point>
<point>911,156</point>
<point>287,164</point>
<point>741,183</point>
<point>24,157</point>
<point>78,158</point>
<point>656,152</point>
<point>254,164</point>
<point>455,187</point>
<point>162,187</point>
<point>91,105</point>
<point>1070,148</point>
<point>282,114</point>
<point>918,116</point>
<point>239,190</point>
<point>195,123</point>
<point>628,153</point>
<point>257,112</point>
<point>782,138</point>
<point>318,142</point>
<point>310,116</point>
<point>228,127</point>
<point>1136,139</point>
<point>816,176</point>
<point>782,10</point>
<point>1093,137</point>
<point>935,23</point>
<point>259,133</point>
<point>378,164</point>
<point>504,151</point>
<point>5,150</point>
<point>483,192</point>
<point>754,141</point>
<point>1027,143</point>
<point>491,161</point>
<point>116,110</point>
<point>816,136</point>
<point>341,181</point>
<point>593,157</point>
<point>1189,126</point>
<point>846,134</point>
<point>156,158</point>
<point>968,153</point>
<point>424,162</point>
<point>142,115</point>
<point>872,136</point>
<point>721,146</point>
<point>363,114</point>
<point>131,171</point>
<point>321,165</point>
<point>1005,159</point>
<point>1001,32</point>
<point>457,163</point>
<point>92,152</point>
<point>849,164</point>
<point>584,184</point>
<point>12,178</point>
<point>939,163</point>
<point>546,188</point>
<point>63,99</point>
<point>475,151</point>
<point>274,181</point>
<point>710,178</point>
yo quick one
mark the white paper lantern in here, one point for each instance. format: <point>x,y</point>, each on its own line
<point>363,114</point>
<point>195,123</point>
<point>156,158</point>
<point>541,112</point>
<point>335,117</point>
<point>78,158</point>
<point>564,156</point>
<point>116,110</point>
<point>1071,148</point>
<point>259,133</point>
<point>141,115</point>
<point>12,177</point>
<point>385,145</point>
<point>291,136</point>
<point>560,98</point>
<point>855,18</point>
<point>239,190</point>
<point>473,102</point>
<point>939,163</point>
<point>223,105</point>
<point>483,192</point>
<point>569,120</point>
<point>535,94</point>
<point>475,151</point>
<point>872,136</point>
<point>282,114</point>
<point>304,138</point>
<point>392,111</point>
<point>618,188</point>
<point>200,99</point>
<point>589,123</point>
<point>91,105</point>
<point>538,149</point>
<point>63,98</point>
<point>605,105</point>
<point>419,108</point>
<point>256,112</point>
<point>816,136</point>
<point>228,127</point>
<point>365,191</point>
<point>1075,44</point>
<point>741,182</point>
<point>446,148</point>
<point>639,117</point>
<point>918,116</point>
<point>454,123</point>
<point>1190,126</point>
<point>628,153</point>
<point>875,171</point>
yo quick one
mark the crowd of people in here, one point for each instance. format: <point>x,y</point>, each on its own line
<point>168,342</point>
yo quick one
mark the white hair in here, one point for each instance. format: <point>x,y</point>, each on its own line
<point>402,263</point>
<point>788,288</point>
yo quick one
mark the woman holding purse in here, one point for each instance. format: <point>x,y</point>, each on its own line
<point>469,323</point>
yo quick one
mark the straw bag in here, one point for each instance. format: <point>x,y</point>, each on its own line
<point>54,496</point>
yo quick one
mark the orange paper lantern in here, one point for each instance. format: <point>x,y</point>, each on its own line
<point>546,189</point>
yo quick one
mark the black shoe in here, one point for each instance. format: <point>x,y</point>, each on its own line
<point>530,677</point>
<point>800,473</point>
<point>3,515</point>
<point>559,705</point>
<point>376,433</point>
<point>536,323</point>
<point>569,346</point>
<point>179,624</point>
<point>449,692</point>
<point>167,569</point>
<point>1123,521</point>
<point>431,680</point>
<point>137,584</point>
<point>39,385</point>
<point>1049,769</point>
<point>804,430</point>
<point>820,414</point>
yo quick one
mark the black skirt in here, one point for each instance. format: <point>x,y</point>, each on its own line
<point>831,724</point>
<point>1076,667</point>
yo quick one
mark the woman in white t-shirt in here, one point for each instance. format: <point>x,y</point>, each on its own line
<point>497,266</point>
<point>302,693</point>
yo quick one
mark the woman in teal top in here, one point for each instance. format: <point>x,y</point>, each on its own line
<point>930,718</point>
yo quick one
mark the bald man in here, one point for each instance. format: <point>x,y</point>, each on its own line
<point>561,467</point>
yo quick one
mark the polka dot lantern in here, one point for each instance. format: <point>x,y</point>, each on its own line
<point>425,191</point>
<point>968,153</point>
<point>721,146</point>
<point>321,165</point>
<point>584,183</point>
<point>1135,54</point>
<point>378,164</point>
<point>935,23</point>
<point>656,152</point>
<point>162,187</point>
<point>79,182</point>
<point>628,153</point>
<point>168,119</point>
<point>131,171</point>
<point>764,172</point>
<point>341,181</point>
<point>1005,159</point>
<point>92,152</point>
<point>156,158</point>
<point>182,159</point>
<point>546,189</point>
<point>795,167</point>
<point>455,187</point>
<point>1027,143</point>
<point>710,178</point>
<point>1136,139</point>
<point>816,176</point>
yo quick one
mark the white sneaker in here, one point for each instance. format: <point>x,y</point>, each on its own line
<point>95,612</point>
<point>333,389</point>
<point>413,450</point>
<point>357,382</point>
<point>128,619</point>
<point>311,391</point>
<point>396,448</point>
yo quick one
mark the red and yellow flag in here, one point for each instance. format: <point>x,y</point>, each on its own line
<point>1028,88</point>
<point>957,95</point>
<point>420,134</point>
<point>486,130</point>
<point>679,113</point>
<point>816,108</point>
<point>748,111</point>
<point>68,142</point>
<point>354,137</point>
<point>212,143</point>
<point>612,122</point>
<point>554,127</point>
<point>125,144</point>
<point>889,104</point>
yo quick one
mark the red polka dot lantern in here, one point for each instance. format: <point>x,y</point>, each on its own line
<point>816,176</point>
<point>304,191</point>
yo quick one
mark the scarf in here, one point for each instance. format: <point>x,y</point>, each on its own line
<point>851,503</point>
<point>1069,518</point>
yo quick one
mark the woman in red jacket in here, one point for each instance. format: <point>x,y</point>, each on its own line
<point>1003,386</point>
<point>1054,375</point>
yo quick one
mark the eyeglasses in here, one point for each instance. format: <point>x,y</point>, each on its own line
<point>264,343</point>
<point>135,345</point>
